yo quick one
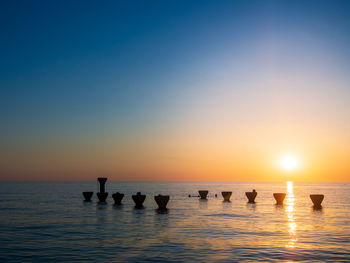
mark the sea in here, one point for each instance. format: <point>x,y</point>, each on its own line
<point>50,222</point>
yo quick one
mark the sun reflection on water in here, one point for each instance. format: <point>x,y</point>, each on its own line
<point>292,225</point>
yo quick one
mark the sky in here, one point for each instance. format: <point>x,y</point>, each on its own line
<point>174,90</point>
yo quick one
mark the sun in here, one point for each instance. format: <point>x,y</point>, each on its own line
<point>289,162</point>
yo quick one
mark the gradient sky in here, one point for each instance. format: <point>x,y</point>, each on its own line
<point>174,90</point>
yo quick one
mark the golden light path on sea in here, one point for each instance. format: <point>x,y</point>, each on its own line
<point>292,225</point>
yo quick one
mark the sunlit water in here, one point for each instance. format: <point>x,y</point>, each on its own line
<point>50,222</point>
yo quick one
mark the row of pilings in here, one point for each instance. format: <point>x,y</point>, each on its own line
<point>162,200</point>
<point>279,197</point>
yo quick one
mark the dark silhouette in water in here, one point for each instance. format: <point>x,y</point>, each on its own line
<point>203,194</point>
<point>87,196</point>
<point>139,199</point>
<point>226,196</point>
<point>118,197</point>
<point>317,200</point>
<point>251,196</point>
<point>162,201</point>
<point>279,197</point>
<point>102,195</point>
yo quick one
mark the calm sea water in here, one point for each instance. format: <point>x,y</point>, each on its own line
<point>42,222</point>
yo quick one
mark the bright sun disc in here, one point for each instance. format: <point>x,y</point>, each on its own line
<point>289,162</point>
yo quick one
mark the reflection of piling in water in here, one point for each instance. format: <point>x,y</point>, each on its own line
<point>317,200</point>
<point>226,196</point>
<point>139,199</point>
<point>162,201</point>
<point>203,194</point>
<point>279,197</point>
<point>102,195</point>
<point>251,196</point>
<point>118,197</point>
<point>87,196</point>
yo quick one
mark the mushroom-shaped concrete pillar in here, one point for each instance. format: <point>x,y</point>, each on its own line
<point>317,200</point>
<point>203,194</point>
<point>87,196</point>
<point>162,201</point>
<point>251,196</point>
<point>139,199</point>
<point>102,195</point>
<point>279,197</point>
<point>226,196</point>
<point>118,197</point>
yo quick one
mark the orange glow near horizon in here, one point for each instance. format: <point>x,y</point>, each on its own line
<point>174,158</point>
<point>198,146</point>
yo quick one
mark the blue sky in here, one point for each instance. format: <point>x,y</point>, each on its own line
<point>89,69</point>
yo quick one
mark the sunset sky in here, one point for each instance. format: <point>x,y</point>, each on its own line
<point>174,90</point>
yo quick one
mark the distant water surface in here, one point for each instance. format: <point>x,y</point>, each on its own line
<point>42,222</point>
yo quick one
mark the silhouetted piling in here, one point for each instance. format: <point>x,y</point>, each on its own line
<point>279,197</point>
<point>87,196</point>
<point>162,201</point>
<point>102,195</point>
<point>102,181</point>
<point>226,196</point>
<point>139,199</point>
<point>317,200</point>
<point>251,196</point>
<point>203,194</point>
<point>118,197</point>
